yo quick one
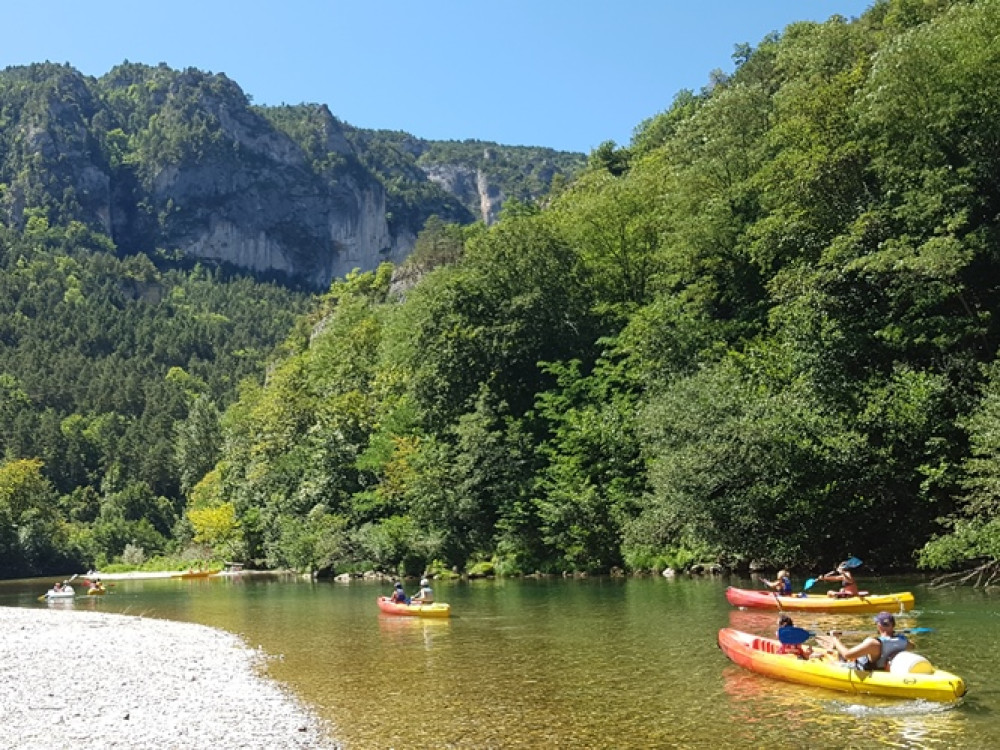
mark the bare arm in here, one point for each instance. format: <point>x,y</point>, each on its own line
<point>870,647</point>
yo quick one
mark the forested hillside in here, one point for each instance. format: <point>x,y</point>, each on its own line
<point>112,377</point>
<point>764,330</point>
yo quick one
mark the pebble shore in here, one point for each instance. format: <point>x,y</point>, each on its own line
<point>92,680</point>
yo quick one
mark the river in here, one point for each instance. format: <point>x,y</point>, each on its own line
<point>577,663</point>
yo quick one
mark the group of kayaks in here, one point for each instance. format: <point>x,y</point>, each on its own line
<point>908,676</point>
<point>66,591</point>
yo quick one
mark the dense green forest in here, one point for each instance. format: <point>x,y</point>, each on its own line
<point>763,331</point>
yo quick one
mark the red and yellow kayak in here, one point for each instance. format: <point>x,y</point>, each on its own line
<point>898,602</point>
<point>437,609</point>
<point>916,678</point>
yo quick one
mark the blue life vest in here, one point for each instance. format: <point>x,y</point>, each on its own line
<point>786,586</point>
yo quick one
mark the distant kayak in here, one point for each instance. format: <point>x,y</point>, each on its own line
<point>437,609</point>
<point>898,602</point>
<point>66,592</point>
<point>910,675</point>
<point>194,574</point>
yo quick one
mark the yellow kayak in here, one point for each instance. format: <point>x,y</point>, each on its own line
<point>437,609</point>
<point>913,677</point>
<point>753,599</point>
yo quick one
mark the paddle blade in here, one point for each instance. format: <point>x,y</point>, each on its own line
<point>919,630</point>
<point>810,582</point>
<point>793,636</point>
<point>851,563</point>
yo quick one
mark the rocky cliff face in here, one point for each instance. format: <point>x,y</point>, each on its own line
<point>180,160</point>
<point>47,148</point>
<point>259,202</point>
<point>471,186</point>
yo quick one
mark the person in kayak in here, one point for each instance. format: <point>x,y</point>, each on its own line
<point>874,652</point>
<point>782,585</point>
<point>399,595</point>
<point>425,595</point>
<point>848,586</point>
<point>803,652</point>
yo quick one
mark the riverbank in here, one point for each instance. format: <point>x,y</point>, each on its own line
<point>94,680</point>
<point>133,575</point>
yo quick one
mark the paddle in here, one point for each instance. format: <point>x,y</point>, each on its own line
<point>793,636</point>
<point>850,563</point>
<point>44,596</point>
<point>904,631</point>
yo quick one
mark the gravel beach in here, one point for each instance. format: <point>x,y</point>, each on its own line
<point>93,680</point>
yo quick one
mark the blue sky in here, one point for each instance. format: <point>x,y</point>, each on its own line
<point>568,74</point>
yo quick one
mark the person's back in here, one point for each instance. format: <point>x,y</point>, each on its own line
<point>399,595</point>
<point>426,594</point>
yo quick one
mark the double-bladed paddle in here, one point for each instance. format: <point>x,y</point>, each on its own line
<point>44,596</point>
<point>850,563</point>
<point>793,636</point>
<point>904,631</point>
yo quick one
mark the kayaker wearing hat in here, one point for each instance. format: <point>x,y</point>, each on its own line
<point>874,652</point>
<point>425,595</point>
<point>399,594</point>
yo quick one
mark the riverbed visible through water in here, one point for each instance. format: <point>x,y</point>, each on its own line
<point>571,663</point>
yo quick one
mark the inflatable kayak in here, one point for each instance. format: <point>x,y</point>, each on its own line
<point>910,675</point>
<point>66,592</point>
<point>899,602</point>
<point>437,609</point>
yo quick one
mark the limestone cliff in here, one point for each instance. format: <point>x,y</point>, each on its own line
<point>181,161</point>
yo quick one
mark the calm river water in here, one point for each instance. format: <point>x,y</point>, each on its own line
<point>593,663</point>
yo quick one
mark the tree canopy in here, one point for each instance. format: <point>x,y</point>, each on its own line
<point>763,331</point>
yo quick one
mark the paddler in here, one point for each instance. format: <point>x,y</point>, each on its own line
<point>874,652</point>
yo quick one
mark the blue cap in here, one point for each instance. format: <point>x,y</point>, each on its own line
<point>885,619</point>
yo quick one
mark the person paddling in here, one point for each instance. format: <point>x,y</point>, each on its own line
<point>399,595</point>
<point>848,586</point>
<point>874,652</point>
<point>803,652</point>
<point>425,595</point>
<point>782,585</point>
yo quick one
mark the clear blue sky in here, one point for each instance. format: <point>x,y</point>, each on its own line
<point>568,74</point>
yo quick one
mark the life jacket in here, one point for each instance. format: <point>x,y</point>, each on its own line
<point>786,586</point>
<point>891,645</point>
<point>792,648</point>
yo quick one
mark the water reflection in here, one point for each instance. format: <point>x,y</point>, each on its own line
<point>407,631</point>
<point>578,664</point>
